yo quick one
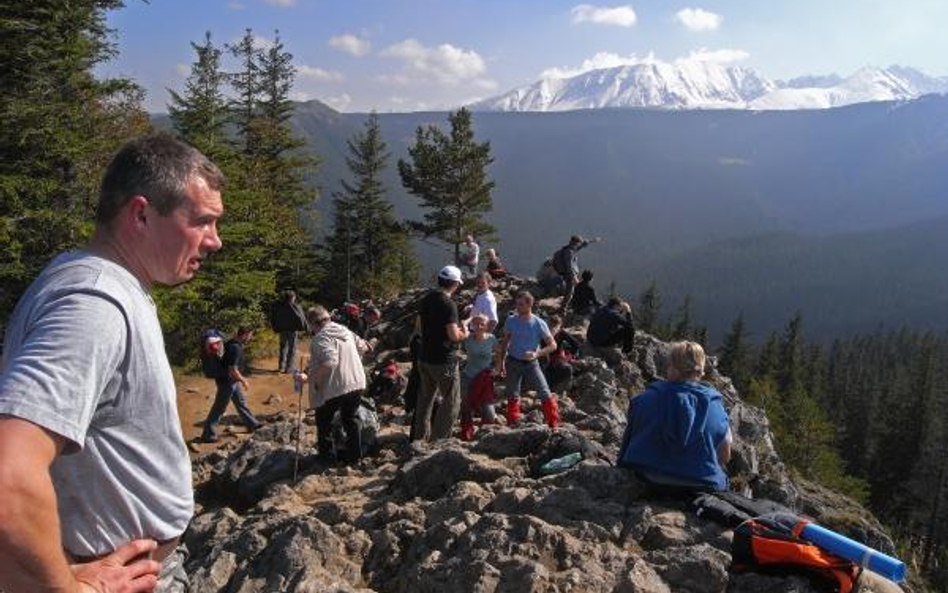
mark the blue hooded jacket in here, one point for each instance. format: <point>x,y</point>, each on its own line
<point>674,429</point>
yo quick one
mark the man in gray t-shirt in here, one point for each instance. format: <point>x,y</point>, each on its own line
<point>96,481</point>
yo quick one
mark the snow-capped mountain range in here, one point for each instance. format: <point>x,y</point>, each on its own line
<point>711,85</point>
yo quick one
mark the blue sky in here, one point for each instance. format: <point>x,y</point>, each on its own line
<point>404,55</point>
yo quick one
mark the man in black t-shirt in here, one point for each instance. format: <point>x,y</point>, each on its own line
<point>230,388</point>
<point>441,331</point>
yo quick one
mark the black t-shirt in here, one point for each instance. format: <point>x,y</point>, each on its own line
<point>436,310</point>
<point>233,357</point>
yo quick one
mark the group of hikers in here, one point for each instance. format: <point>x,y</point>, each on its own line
<point>95,477</point>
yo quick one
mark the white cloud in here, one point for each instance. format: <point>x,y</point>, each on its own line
<point>350,44</point>
<point>300,96</point>
<point>318,74</point>
<point>340,102</point>
<point>610,60</point>
<point>721,56</point>
<point>236,6</point>
<point>601,60</point>
<point>697,19</point>
<point>444,64</point>
<point>182,69</point>
<point>281,3</point>
<point>622,16</point>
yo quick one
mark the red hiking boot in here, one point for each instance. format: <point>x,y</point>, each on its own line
<point>513,411</point>
<point>467,430</point>
<point>551,411</point>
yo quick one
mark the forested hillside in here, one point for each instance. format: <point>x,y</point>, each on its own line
<point>665,189</point>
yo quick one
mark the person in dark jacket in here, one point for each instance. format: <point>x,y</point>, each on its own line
<point>584,296</point>
<point>287,318</point>
<point>678,433</point>
<point>566,264</point>
<point>611,330</point>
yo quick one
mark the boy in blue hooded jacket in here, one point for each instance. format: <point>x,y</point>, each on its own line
<point>678,433</point>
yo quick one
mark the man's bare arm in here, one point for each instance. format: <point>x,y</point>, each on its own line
<point>31,553</point>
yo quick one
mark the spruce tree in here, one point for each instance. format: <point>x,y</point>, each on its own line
<point>199,114</point>
<point>647,311</point>
<point>61,125</point>
<point>448,174</point>
<point>682,328</point>
<point>734,356</point>
<point>370,254</point>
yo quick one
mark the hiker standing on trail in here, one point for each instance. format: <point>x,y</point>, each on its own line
<point>526,339</point>
<point>441,332</point>
<point>566,264</point>
<point>477,378</point>
<point>468,257</point>
<point>485,303</point>
<point>96,480</point>
<point>287,318</point>
<point>678,433</point>
<point>231,387</point>
<point>336,381</point>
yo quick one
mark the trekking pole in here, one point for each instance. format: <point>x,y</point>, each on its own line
<point>299,418</point>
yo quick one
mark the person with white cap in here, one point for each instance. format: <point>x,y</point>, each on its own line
<point>441,332</point>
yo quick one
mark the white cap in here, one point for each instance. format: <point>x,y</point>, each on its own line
<point>451,273</point>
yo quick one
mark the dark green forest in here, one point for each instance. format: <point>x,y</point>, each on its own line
<point>61,124</point>
<point>865,414</point>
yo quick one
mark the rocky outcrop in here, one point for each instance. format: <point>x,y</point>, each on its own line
<point>479,516</point>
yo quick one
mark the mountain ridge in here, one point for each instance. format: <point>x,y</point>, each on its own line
<point>694,84</point>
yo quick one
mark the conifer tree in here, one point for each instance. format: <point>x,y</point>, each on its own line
<point>682,329</point>
<point>734,356</point>
<point>647,311</point>
<point>448,174</point>
<point>60,126</point>
<point>370,254</point>
<point>200,113</point>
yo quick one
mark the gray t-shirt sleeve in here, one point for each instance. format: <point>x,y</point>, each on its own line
<point>56,375</point>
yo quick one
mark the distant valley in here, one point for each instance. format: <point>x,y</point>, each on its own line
<point>841,213</point>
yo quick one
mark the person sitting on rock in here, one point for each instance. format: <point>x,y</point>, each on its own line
<point>677,432</point>
<point>494,267</point>
<point>468,256</point>
<point>526,339</point>
<point>548,279</point>
<point>336,381</point>
<point>584,301</point>
<point>611,329</point>
<point>477,378</point>
<point>558,369</point>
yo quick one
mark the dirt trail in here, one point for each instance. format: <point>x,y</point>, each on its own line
<point>270,392</point>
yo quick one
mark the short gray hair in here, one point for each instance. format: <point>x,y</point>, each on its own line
<point>158,167</point>
<point>317,314</point>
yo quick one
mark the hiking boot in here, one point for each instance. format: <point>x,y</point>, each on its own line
<point>513,411</point>
<point>209,438</point>
<point>551,411</point>
<point>467,430</point>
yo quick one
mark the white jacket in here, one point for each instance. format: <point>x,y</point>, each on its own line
<point>337,347</point>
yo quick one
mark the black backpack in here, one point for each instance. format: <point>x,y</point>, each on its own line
<point>562,261</point>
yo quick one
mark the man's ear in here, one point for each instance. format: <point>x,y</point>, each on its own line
<point>137,212</point>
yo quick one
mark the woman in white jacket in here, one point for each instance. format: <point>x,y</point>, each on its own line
<point>336,381</point>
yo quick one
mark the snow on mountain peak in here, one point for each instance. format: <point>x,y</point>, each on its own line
<point>705,80</point>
